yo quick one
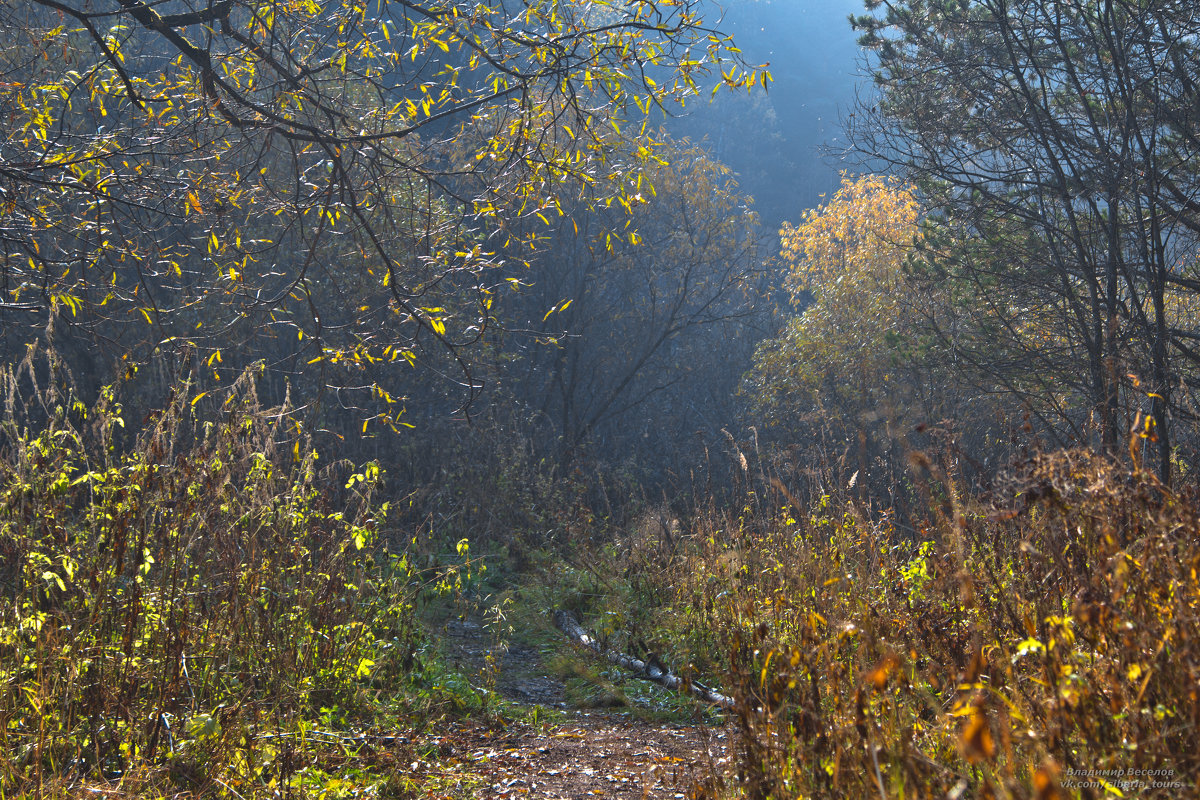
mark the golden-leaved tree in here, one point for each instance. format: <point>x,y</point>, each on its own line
<point>856,326</point>
<point>318,185</point>
<point>857,363</point>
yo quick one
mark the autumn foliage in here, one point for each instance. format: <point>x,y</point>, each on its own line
<point>301,301</point>
<point>854,330</point>
<point>180,612</point>
<point>1042,643</point>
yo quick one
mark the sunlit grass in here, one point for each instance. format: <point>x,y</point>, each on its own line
<point>204,608</point>
<point>1004,649</point>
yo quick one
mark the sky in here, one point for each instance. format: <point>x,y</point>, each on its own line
<point>780,143</point>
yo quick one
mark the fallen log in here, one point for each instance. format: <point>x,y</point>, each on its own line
<point>639,668</point>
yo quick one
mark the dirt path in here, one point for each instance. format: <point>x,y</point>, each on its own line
<point>581,754</point>
<point>588,755</point>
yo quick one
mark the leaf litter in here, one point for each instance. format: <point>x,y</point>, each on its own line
<point>579,754</point>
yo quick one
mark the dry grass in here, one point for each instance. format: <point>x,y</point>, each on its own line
<point>1044,643</point>
<point>198,611</point>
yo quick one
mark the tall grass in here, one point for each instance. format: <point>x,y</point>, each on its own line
<point>1041,643</point>
<point>179,609</point>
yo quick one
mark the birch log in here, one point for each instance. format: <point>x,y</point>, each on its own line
<point>644,670</point>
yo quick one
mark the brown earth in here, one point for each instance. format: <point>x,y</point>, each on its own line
<point>581,754</point>
<point>589,755</point>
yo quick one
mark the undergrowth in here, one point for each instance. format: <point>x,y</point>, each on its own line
<point>204,607</point>
<point>1041,643</point>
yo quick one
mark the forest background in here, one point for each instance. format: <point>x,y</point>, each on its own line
<point>873,399</point>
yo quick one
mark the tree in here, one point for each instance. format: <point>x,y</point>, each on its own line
<point>310,183</point>
<point>845,276</point>
<point>856,354</point>
<point>650,330</point>
<point>1058,140</point>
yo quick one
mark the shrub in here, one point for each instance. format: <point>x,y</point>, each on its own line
<point>1042,644</point>
<point>173,610</point>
